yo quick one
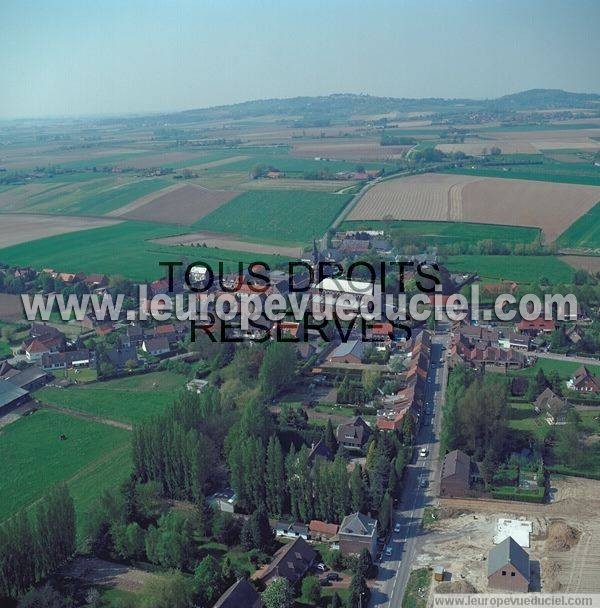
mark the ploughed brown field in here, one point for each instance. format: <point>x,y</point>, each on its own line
<point>348,150</point>
<point>553,207</point>
<point>222,241</point>
<point>184,204</point>
<point>11,308</point>
<point>583,262</point>
<point>21,227</point>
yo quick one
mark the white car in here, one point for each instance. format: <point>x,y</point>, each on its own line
<point>423,482</point>
<point>423,452</point>
<point>321,567</point>
<point>397,528</point>
<point>388,552</point>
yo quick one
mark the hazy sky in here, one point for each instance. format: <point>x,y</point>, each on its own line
<point>61,57</point>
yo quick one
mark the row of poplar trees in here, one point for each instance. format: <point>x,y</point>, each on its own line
<point>34,546</point>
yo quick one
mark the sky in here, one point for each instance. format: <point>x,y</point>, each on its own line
<point>85,57</point>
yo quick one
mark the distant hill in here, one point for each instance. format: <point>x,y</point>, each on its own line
<point>546,99</point>
<point>323,110</point>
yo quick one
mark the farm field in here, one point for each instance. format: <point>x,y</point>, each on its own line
<point>80,196</point>
<point>524,269</point>
<point>589,263</point>
<point>443,233</point>
<point>125,399</point>
<point>183,205</point>
<point>22,228</point>
<point>138,257</point>
<point>318,185</point>
<point>11,308</point>
<point>476,148</point>
<point>222,241</point>
<point>285,216</point>
<point>33,458</point>
<point>548,171</point>
<point>343,149</point>
<point>431,196</point>
<point>434,196</point>
<point>585,232</point>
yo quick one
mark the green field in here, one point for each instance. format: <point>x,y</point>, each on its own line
<point>548,171</point>
<point>522,269</point>
<point>584,232</point>
<point>286,216</point>
<point>444,233</point>
<point>33,458</point>
<point>564,368</point>
<point>121,249</point>
<point>125,399</point>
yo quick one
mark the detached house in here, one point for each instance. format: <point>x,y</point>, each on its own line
<point>553,407</point>
<point>240,595</point>
<point>583,381</point>
<point>358,532</point>
<point>354,435</point>
<point>508,567</point>
<point>459,473</point>
<point>156,346</point>
<point>291,562</point>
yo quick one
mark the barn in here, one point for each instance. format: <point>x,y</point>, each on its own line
<point>11,396</point>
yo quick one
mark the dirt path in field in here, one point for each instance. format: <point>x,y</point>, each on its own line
<point>85,416</point>
<point>107,574</point>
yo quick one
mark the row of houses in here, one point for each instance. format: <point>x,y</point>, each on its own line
<point>409,401</point>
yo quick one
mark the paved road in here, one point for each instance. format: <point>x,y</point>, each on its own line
<point>395,570</point>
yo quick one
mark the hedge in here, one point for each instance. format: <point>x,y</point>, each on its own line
<point>561,470</point>
<point>517,494</point>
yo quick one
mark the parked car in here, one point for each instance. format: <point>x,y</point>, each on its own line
<point>423,482</point>
<point>322,567</point>
<point>388,552</point>
<point>325,583</point>
<point>333,576</point>
<point>423,452</point>
<point>397,528</point>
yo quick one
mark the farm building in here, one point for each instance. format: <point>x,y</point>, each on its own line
<point>11,396</point>
<point>358,532</point>
<point>29,379</point>
<point>320,530</point>
<point>291,530</point>
<point>508,567</point>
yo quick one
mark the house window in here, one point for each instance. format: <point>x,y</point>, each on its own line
<point>503,572</point>
<point>512,574</point>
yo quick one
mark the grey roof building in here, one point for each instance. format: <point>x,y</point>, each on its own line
<point>11,396</point>
<point>240,595</point>
<point>357,532</point>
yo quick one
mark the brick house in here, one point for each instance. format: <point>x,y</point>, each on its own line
<point>354,435</point>
<point>584,381</point>
<point>508,567</point>
<point>458,474</point>
<point>358,532</point>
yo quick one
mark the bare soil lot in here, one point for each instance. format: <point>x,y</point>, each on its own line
<point>21,228</point>
<point>462,538</point>
<point>583,262</point>
<point>185,204</point>
<point>553,207</point>
<point>222,241</point>
<point>349,150</point>
<point>11,308</point>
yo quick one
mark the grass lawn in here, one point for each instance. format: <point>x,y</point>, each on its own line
<point>564,368</point>
<point>417,589</point>
<point>584,232</point>
<point>522,417</point>
<point>430,516</point>
<point>5,350</point>
<point>33,458</point>
<point>522,269</point>
<point>287,216</point>
<point>126,399</point>
<point>445,233</point>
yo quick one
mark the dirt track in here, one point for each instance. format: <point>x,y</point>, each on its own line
<point>109,574</point>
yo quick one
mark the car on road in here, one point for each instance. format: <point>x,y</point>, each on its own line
<point>423,452</point>
<point>397,528</point>
<point>423,482</point>
<point>388,552</point>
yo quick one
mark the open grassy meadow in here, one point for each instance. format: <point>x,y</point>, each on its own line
<point>125,399</point>
<point>288,216</point>
<point>33,458</point>
<point>522,269</point>
<point>564,368</point>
